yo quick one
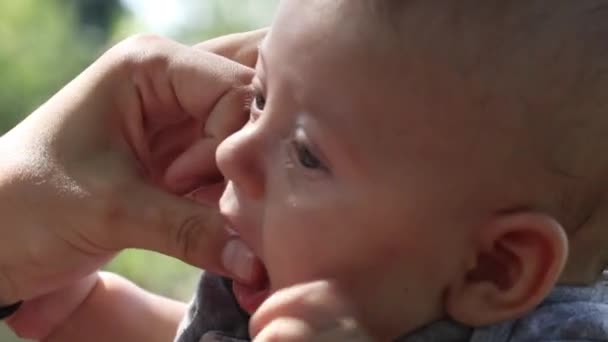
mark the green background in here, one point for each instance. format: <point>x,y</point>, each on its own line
<point>44,44</point>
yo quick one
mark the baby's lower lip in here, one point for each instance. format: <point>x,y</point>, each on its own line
<point>252,292</point>
<point>249,298</point>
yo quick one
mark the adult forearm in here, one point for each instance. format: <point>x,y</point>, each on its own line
<point>117,311</point>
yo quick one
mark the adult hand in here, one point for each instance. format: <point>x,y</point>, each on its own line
<point>308,312</point>
<point>239,47</point>
<point>97,168</point>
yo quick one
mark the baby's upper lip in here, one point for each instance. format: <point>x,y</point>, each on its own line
<point>235,225</point>
<point>232,222</point>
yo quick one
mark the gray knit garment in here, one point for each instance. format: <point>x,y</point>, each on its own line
<point>569,314</point>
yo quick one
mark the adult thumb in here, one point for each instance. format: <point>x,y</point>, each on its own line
<point>155,220</point>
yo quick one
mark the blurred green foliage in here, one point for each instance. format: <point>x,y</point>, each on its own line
<point>40,50</point>
<point>157,273</point>
<point>44,44</point>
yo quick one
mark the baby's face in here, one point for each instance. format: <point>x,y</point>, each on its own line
<point>343,174</point>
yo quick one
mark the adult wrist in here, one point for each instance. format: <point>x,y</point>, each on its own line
<point>40,316</point>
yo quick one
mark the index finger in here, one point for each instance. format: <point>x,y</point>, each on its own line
<point>239,47</point>
<point>172,91</point>
<point>201,83</point>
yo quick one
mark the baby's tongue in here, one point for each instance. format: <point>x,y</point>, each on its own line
<point>242,264</point>
<point>250,279</point>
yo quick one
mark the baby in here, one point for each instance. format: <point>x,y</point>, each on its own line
<point>440,162</point>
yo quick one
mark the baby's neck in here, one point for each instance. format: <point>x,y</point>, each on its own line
<point>576,277</point>
<point>587,256</point>
<point>585,265</point>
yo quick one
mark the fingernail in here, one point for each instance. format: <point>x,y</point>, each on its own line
<point>239,260</point>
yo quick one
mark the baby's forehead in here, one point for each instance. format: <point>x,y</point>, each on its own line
<point>434,59</point>
<point>375,93</point>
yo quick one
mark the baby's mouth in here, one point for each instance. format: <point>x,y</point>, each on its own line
<point>252,294</point>
<point>250,281</point>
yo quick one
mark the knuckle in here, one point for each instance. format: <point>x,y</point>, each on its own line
<point>110,207</point>
<point>188,234</point>
<point>244,76</point>
<point>140,41</point>
<point>142,50</point>
<point>110,211</point>
<point>142,38</point>
<point>243,92</point>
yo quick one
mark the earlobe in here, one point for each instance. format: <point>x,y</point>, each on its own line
<point>517,261</point>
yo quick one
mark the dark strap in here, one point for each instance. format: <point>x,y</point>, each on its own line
<point>6,311</point>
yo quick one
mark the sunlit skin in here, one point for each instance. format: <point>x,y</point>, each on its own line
<point>369,162</point>
<point>321,184</point>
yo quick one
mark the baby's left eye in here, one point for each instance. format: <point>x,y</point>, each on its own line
<point>306,158</point>
<point>259,101</point>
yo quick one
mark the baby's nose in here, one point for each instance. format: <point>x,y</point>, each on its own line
<point>240,160</point>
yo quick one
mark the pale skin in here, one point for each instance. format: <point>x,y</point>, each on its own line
<point>394,168</point>
<point>72,306</point>
<point>121,116</point>
<point>360,169</point>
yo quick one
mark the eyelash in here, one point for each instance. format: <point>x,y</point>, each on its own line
<point>252,104</point>
<point>306,158</point>
<point>304,155</point>
<point>259,101</point>
<point>301,153</point>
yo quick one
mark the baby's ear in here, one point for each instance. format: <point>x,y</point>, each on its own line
<point>516,263</point>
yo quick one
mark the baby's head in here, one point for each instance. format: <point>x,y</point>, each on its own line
<point>432,158</point>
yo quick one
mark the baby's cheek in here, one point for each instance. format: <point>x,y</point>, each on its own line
<point>293,259</point>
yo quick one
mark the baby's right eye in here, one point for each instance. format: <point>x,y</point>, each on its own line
<point>259,101</point>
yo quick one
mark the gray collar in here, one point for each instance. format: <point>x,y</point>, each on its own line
<point>570,313</point>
